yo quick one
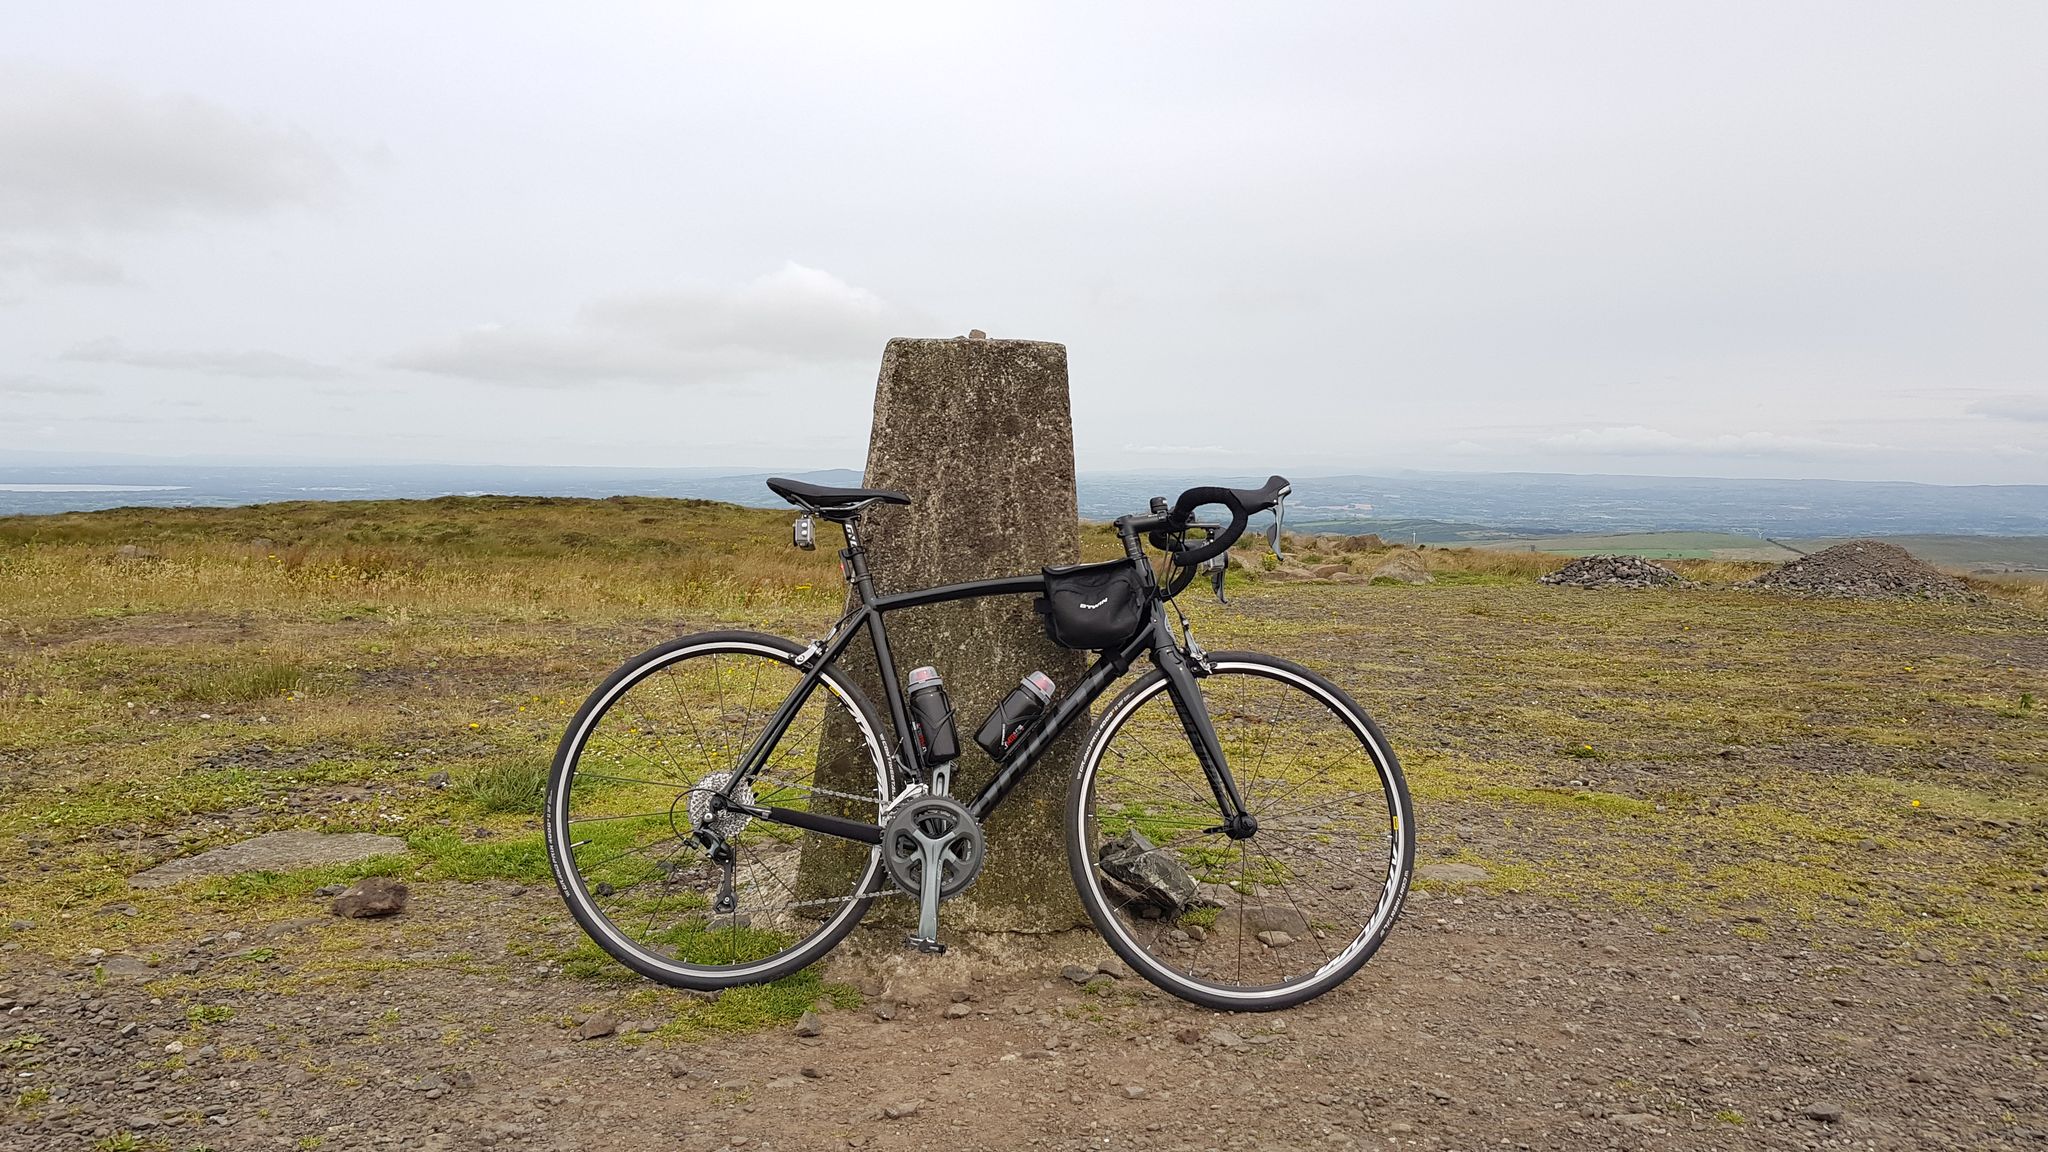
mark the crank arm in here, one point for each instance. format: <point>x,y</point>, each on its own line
<point>933,852</point>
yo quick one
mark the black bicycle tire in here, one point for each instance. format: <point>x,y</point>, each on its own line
<point>1187,988</point>
<point>568,885</point>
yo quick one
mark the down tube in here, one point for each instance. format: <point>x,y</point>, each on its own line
<point>1101,675</point>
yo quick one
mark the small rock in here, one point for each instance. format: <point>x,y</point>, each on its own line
<point>885,1010</point>
<point>958,1011</point>
<point>600,1025</point>
<point>132,969</point>
<point>810,1073</point>
<point>1080,973</point>
<point>371,896</point>
<point>438,780</point>
<point>808,1025</point>
<point>902,1110</point>
<point>330,890</point>
<point>1134,1092</point>
<point>1634,1119</point>
<point>1113,968</point>
<point>1275,939</point>
<point>1224,1038</point>
<point>1825,1112</point>
<point>674,1066</point>
<point>1926,955</point>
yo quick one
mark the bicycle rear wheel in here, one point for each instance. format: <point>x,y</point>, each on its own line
<point>1242,925</point>
<point>628,791</point>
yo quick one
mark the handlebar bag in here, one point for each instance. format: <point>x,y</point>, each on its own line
<point>1092,607</point>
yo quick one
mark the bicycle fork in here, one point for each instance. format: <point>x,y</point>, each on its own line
<point>1184,686</point>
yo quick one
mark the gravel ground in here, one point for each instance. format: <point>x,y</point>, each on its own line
<point>1486,1020</point>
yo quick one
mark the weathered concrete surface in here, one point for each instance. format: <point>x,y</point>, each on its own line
<point>271,852</point>
<point>979,434</point>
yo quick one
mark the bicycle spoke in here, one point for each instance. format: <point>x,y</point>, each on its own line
<point>1300,895</point>
<point>628,816</point>
<point>656,894</point>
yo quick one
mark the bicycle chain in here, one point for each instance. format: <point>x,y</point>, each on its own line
<point>813,790</point>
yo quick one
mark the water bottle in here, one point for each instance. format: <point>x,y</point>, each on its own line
<point>931,717</point>
<point>1015,715</point>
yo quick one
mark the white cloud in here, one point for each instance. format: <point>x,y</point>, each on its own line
<point>59,264</point>
<point>37,386</point>
<point>86,155</point>
<point>254,364</point>
<point>84,160</point>
<point>1184,450</point>
<point>795,315</point>
<point>1639,440</point>
<point>2030,409</point>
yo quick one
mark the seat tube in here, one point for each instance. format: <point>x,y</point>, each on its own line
<point>855,560</point>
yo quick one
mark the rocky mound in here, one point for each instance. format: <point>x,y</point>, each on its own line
<point>1613,572</point>
<point>1864,570</point>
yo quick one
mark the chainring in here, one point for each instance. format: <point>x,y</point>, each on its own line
<point>933,816</point>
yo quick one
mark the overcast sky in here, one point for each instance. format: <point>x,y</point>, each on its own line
<point>1755,240</point>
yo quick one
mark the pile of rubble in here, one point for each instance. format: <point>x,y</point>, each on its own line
<point>1614,572</point>
<point>1864,570</point>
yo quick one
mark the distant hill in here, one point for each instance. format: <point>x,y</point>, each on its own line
<point>1522,504</point>
<point>1426,507</point>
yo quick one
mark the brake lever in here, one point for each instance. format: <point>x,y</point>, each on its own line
<point>1273,529</point>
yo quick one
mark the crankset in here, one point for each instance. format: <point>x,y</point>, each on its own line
<point>932,837</point>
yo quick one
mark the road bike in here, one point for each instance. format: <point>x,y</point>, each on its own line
<point>726,806</point>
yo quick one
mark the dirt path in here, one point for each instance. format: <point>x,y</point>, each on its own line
<point>1487,1021</point>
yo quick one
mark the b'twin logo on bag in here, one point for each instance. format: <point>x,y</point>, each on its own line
<point>1097,604</point>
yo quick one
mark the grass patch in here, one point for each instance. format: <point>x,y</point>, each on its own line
<point>242,681</point>
<point>508,786</point>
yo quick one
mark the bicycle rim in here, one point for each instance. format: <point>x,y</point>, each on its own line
<point>1250,924</point>
<point>667,730</point>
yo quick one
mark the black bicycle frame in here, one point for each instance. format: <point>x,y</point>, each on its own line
<point>1155,639</point>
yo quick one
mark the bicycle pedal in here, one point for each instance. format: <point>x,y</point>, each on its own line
<point>927,946</point>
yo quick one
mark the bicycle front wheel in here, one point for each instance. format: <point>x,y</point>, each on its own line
<point>1264,922</point>
<point>628,792</point>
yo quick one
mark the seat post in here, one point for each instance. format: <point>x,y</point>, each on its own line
<point>855,561</point>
